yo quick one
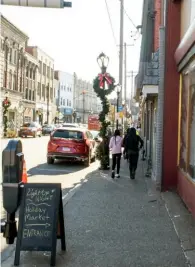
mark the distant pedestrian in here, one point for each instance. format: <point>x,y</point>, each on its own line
<point>115,145</point>
<point>133,144</point>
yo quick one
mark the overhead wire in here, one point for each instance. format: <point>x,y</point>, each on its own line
<point>129,17</point>
<point>111,25</point>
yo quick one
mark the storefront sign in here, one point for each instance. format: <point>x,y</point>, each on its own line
<point>68,111</point>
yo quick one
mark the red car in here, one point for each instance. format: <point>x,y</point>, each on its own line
<point>33,129</point>
<point>74,144</point>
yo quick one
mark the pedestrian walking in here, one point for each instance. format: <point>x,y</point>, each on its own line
<point>115,145</point>
<point>125,154</point>
<point>133,144</point>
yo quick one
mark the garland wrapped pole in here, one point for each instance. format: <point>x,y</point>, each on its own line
<point>5,104</point>
<point>99,85</point>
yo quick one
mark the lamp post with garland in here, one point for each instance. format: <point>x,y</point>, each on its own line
<point>5,104</point>
<point>103,85</point>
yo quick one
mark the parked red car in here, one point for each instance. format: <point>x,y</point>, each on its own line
<point>33,129</point>
<point>74,144</point>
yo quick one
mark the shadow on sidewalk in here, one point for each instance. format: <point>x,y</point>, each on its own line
<point>58,168</point>
<point>113,223</point>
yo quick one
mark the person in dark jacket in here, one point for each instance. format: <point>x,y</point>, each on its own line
<point>125,154</point>
<point>133,144</point>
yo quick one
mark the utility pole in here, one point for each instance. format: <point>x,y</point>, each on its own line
<point>47,103</point>
<point>121,49</point>
<point>83,107</point>
<point>132,76</point>
<point>125,70</point>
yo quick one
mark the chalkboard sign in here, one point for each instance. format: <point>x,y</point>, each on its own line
<point>41,218</point>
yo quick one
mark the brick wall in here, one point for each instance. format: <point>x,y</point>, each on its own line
<point>157,22</point>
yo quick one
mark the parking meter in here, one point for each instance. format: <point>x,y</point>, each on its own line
<point>12,169</point>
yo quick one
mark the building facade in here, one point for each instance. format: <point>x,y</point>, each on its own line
<point>13,44</point>
<point>147,80</point>
<point>45,93</point>
<point>85,100</point>
<point>173,165</point>
<point>184,58</point>
<point>64,95</point>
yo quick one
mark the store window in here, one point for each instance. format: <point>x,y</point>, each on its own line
<point>191,155</point>
<point>187,131</point>
<point>184,114</point>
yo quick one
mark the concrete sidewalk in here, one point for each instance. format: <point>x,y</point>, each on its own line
<point>112,223</point>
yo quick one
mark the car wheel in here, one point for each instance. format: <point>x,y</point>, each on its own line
<point>50,160</point>
<point>87,161</point>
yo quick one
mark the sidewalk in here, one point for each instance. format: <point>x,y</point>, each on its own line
<point>114,223</point>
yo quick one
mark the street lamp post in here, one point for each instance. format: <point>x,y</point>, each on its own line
<point>118,89</point>
<point>103,61</point>
<point>74,115</point>
<point>6,104</point>
<point>47,103</point>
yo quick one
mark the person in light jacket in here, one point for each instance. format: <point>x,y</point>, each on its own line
<point>115,145</point>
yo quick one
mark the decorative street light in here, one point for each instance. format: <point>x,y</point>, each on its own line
<point>103,85</point>
<point>74,114</point>
<point>118,90</point>
<point>103,61</point>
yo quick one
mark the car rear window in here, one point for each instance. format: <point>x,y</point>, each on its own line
<point>66,134</point>
<point>29,124</point>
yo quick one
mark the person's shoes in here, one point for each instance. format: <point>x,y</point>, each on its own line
<point>113,174</point>
<point>132,175</point>
<point>117,176</point>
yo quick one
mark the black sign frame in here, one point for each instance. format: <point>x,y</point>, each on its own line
<point>57,223</point>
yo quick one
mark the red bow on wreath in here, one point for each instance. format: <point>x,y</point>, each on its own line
<point>105,77</point>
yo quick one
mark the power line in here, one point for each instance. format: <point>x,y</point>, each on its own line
<point>115,40</point>
<point>129,18</point>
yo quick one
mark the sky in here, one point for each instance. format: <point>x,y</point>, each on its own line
<point>74,37</point>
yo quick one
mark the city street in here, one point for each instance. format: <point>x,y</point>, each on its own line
<point>70,175</point>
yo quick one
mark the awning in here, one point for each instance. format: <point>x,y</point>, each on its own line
<point>150,90</point>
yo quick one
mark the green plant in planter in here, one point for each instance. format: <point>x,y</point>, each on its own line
<point>102,152</point>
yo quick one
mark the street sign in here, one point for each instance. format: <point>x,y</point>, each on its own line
<point>120,108</point>
<point>121,114</point>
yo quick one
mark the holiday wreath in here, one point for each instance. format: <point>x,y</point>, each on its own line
<point>6,103</point>
<point>99,87</point>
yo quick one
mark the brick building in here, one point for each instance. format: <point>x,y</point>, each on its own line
<point>170,145</point>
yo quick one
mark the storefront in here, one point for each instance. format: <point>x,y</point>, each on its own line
<point>41,113</point>
<point>67,114</point>
<point>185,59</point>
<point>29,112</point>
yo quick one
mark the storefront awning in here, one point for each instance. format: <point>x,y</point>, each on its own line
<point>150,90</point>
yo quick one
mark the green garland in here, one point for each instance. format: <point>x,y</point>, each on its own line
<point>101,152</point>
<point>5,104</point>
